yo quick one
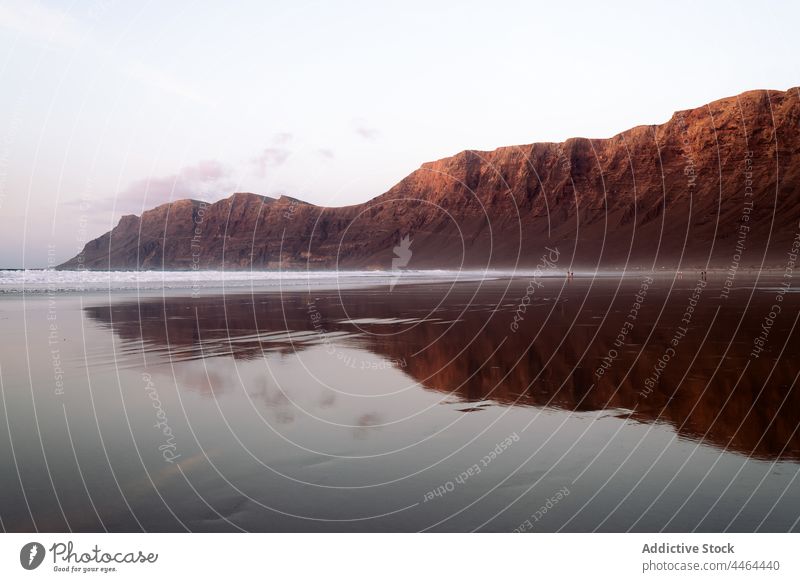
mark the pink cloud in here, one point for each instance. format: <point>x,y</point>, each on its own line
<point>361,128</point>
<point>273,155</point>
<point>207,180</point>
<point>205,171</point>
<point>269,158</point>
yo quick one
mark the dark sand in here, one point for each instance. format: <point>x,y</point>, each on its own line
<point>344,411</point>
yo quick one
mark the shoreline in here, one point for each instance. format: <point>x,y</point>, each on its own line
<point>240,282</point>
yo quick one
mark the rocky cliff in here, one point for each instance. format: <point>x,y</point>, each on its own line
<point>714,186</point>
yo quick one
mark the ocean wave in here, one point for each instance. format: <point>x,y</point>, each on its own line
<point>52,281</point>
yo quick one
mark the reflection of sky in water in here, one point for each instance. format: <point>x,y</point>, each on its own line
<point>347,419</point>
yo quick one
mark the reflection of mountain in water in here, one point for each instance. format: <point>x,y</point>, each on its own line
<point>461,341</point>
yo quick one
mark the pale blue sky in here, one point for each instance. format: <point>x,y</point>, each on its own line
<point>128,104</point>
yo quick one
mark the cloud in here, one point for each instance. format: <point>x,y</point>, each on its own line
<point>326,153</point>
<point>36,21</point>
<point>207,180</point>
<point>273,155</point>
<point>364,130</point>
<point>270,157</point>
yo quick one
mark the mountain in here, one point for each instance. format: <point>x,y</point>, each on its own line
<point>714,186</point>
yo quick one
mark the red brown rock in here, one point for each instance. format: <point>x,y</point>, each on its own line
<point>716,185</point>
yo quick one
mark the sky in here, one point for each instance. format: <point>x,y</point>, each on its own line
<point>109,108</point>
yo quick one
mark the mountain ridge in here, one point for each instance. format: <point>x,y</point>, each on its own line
<point>670,195</point>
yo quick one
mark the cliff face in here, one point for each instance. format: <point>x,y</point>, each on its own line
<point>715,185</point>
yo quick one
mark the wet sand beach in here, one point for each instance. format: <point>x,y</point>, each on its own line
<point>642,403</point>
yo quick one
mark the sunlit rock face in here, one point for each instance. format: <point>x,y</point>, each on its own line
<point>713,186</point>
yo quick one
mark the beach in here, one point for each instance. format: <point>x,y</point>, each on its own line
<point>530,403</point>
